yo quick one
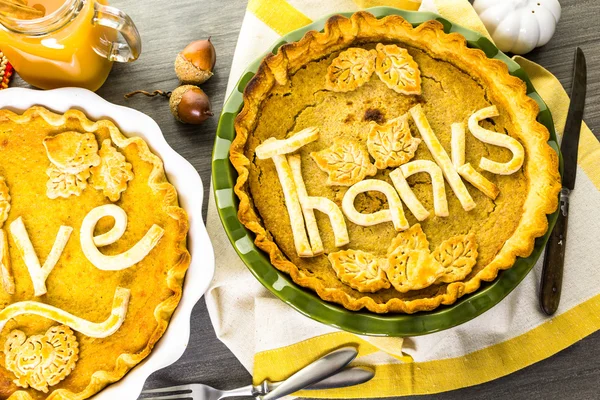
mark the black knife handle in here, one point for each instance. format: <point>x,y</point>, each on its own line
<point>554,258</point>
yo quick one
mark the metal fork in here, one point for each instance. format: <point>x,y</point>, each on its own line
<point>321,374</point>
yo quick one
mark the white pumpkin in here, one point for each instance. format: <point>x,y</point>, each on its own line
<point>519,26</point>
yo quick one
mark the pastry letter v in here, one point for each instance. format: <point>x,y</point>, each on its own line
<point>38,273</point>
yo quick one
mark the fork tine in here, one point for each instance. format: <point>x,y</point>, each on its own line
<point>169,389</point>
<point>180,396</point>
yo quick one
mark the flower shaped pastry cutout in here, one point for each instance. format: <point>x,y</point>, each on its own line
<point>113,172</point>
<point>350,69</point>
<point>41,361</point>
<point>72,152</point>
<point>4,201</point>
<point>397,69</point>
<point>346,161</point>
<point>411,265</point>
<point>360,270</point>
<point>392,143</point>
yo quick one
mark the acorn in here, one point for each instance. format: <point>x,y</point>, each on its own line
<point>188,103</point>
<point>195,64</point>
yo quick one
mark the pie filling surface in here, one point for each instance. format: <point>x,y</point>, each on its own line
<point>391,168</point>
<point>94,255</point>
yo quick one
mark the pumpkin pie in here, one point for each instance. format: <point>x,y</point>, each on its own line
<point>92,254</point>
<point>391,167</point>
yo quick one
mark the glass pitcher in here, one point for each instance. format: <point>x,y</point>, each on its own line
<point>75,45</point>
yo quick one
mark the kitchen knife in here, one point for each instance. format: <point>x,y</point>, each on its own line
<point>552,273</point>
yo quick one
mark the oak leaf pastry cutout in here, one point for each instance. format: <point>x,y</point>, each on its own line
<point>360,270</point>
<point>392,143</point>
<point>4,201</point>
<point>41,361</point>
<point>497,139</point>
<point>113,172</point>
<point>346,162</point>
<point>350,69</point>
<point>397,69</point>
<point>72,152</point>
<point>412,266</point>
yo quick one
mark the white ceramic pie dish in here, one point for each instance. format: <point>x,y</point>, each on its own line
<point>190,189</point>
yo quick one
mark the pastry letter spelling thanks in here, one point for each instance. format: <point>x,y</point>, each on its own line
<point>8,281</point>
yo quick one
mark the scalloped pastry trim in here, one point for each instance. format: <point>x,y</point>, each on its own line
<point>277,147</point>
<point>394,213</point>
<point>408,196</point>
<point>41,361</point>
<point>457,142</point>
<point>92,329</point>
<point>121,261</point>
<point>4,201</point>
<point>8,280</point>
<point>292,203</point>
<point>441,158</point>
<point>360,270</point>
<point>397,69</point>
<point>38,273</point>
<point>351,69</point>
<point>326,206</point>
<point>440,203</point>
<point>346,162</point>
<point>497,139</point>
<point>392,143</point>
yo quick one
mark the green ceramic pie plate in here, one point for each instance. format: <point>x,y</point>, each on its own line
<point>306,301</point>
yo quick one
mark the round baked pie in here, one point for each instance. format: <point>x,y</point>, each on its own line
<point>92,254</point>
<point>391,168</point>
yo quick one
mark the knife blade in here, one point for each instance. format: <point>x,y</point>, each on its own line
<point>554,256</point>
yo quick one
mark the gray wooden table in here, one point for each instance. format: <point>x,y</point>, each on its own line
<point>167,26</point>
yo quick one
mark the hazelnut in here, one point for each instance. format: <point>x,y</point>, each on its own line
<point>195,64</point>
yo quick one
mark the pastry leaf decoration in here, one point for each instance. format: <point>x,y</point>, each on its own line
<point>392,144</point>
<point>346,161</point>
<point>411,265</point>
<point>72,152</point>
<point>113,172</point>
<point>64,184</point>
<point>350,69</point>
<point>71,155</point>
<point>4,201</point>
<point>397,69</point>
<point>41,361</point>
<point>360,270</point>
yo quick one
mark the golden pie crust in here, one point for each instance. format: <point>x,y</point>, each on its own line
<point>289,93</point>
<point>57,362</point>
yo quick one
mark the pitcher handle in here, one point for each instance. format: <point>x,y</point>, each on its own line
<point>116,19</point>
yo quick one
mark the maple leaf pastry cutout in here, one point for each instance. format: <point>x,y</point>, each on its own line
<point>350,69</point>
<point>397,69</point>
<point>392,143</point>
<point>346,162</point>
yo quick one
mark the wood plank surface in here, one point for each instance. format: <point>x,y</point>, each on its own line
<point>166,27</point>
